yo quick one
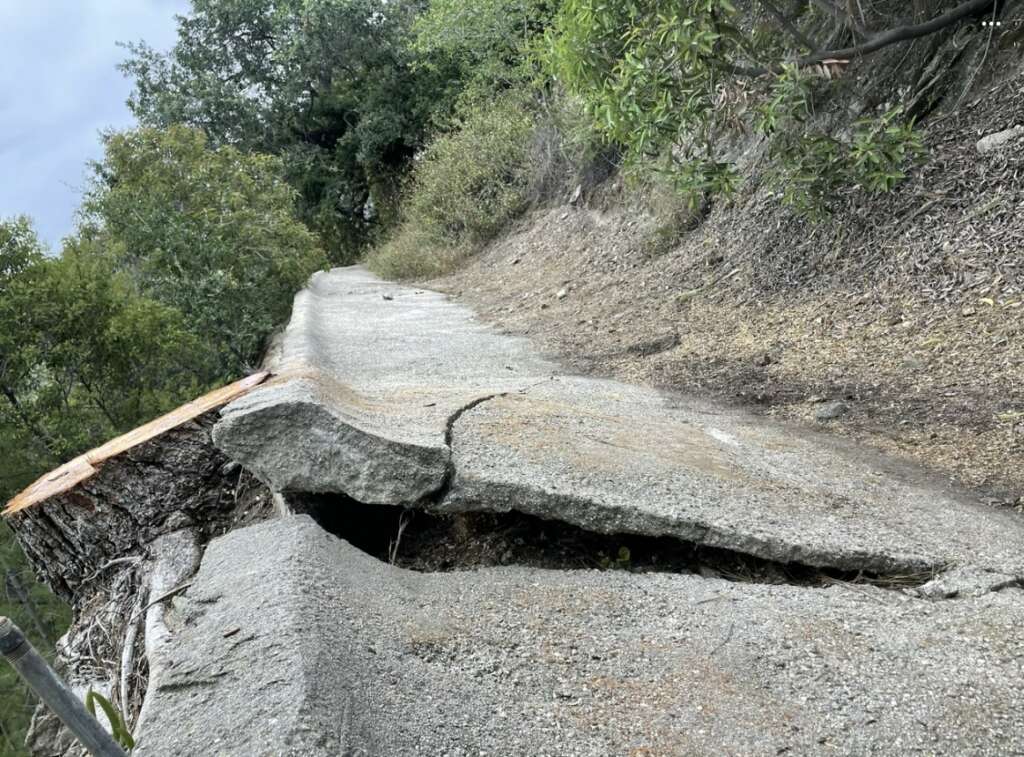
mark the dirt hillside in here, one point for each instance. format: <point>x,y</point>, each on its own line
<point>897,321</point>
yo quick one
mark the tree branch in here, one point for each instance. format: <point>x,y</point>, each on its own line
<point>903,33</point>
<point>877,42</point>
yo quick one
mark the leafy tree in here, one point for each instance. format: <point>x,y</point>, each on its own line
<point>486,47</point>
<point>185,259</point>
<point>21,258</point>
<point>327,85</point>
<point>22,457</point>
<point>209,233</point>
<point>83,355</point>
<point>669,80</point>
<point>467,199</point>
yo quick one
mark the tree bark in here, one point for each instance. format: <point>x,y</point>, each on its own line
<point>97,544</point>
<point>177,480</point>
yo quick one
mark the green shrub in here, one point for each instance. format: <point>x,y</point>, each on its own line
<point>413,252</point>
<point>671,82</point>
<point>880,150</point>
<point>809,168</point>
<point>468,184</point>
<point>208,231</point>
<point>647,76</point>
<point>465,187</point>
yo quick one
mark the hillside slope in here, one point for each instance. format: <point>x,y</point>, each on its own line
<point>906,308</point>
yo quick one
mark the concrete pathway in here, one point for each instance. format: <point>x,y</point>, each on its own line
<point>395,395</point>
<point>291,642</point>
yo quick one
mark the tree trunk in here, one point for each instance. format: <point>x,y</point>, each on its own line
<point>96,545</point>
<point>175,481</point>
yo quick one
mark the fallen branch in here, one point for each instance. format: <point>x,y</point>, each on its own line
<point>166,595</point>
<point>128,657</point>
<point>725,641</point>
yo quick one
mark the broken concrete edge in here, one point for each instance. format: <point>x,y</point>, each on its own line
<point>454,493</point>
<point>297,643</point>
<point>323,451</point>
<point>301,432</point>
<point>966,582</point>
<point>82,468</point>
<point>466,496</point>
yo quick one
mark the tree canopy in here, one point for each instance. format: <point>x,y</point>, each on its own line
<point>329,86</point>
<point>207,231</point>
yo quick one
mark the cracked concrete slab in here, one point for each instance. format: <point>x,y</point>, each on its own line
<point>367,376</point>
<point>378,395</point>
<point>292,642</point>
<point>613,458</point>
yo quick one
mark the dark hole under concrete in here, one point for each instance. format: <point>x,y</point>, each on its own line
<point>432,542</point>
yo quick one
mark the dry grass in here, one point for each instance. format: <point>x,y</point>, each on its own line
<point>412,252</point>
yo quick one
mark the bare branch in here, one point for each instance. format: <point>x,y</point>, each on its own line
<point>877,42</point>
<point>904,33</point>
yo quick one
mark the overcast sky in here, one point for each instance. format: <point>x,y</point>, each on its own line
<point>58,89</point>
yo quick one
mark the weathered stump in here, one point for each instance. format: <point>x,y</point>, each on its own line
<point>92,531</point>
<point>176,481</point>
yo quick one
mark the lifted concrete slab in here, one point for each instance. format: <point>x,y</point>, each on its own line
<point>395,395</point>
<point>368,377</point>
<point>292,642</point>
<point>614,458</point>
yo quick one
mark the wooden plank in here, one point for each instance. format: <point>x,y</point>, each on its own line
<point>83,467</point>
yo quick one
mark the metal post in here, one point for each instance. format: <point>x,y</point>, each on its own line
<point>54,693</point>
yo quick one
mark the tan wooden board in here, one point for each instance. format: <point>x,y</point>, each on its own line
<point>83,467</point>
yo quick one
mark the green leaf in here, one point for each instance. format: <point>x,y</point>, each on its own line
<point>119,730</point>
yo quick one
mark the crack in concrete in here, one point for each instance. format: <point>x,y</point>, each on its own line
<point>444,486</point>
<point>794,573</point>
<point>602,456</point>
<point>439,542</point>
<point>454,417</point>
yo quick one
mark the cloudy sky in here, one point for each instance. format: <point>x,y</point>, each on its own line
<point>58,89</point>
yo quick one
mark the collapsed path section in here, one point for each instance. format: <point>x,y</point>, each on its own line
<point>396,395</point>
<point>368,377</point>
<point>293,642</point>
